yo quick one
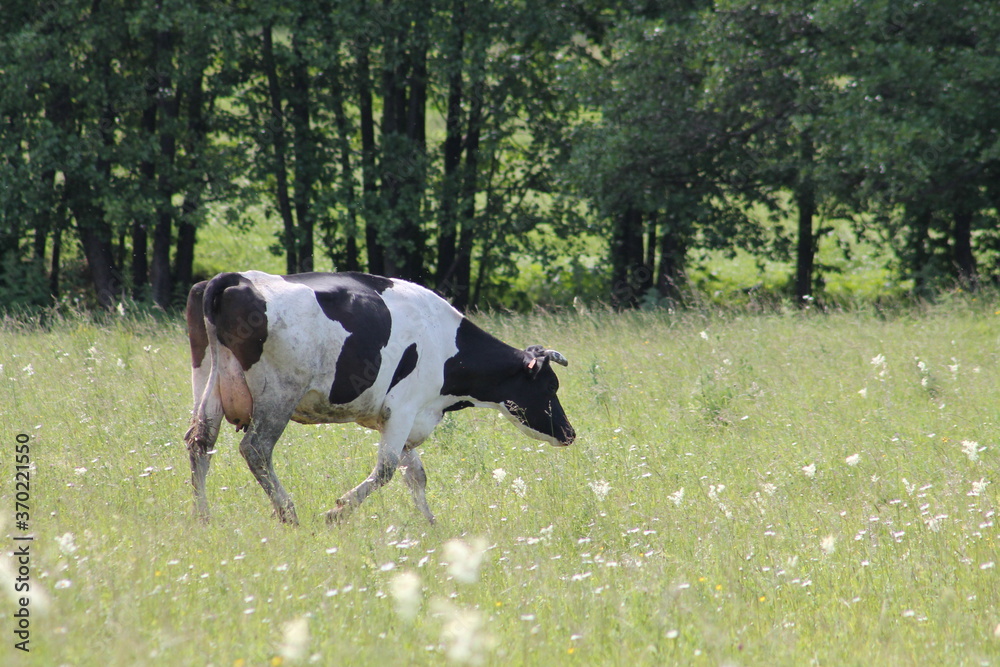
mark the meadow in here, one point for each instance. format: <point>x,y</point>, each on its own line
<point>782,487</point>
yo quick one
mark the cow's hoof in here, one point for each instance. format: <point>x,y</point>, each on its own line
<point>338,515</point>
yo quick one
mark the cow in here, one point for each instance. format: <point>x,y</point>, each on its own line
<point>320,348</point>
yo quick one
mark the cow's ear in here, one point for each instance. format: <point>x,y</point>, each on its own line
<point>533,364</point>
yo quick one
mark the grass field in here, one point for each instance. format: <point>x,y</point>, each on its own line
<point>783,489</point>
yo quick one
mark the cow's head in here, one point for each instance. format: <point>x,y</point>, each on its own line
<point>530,399</point>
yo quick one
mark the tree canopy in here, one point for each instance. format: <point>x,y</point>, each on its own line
<point>455,142</point>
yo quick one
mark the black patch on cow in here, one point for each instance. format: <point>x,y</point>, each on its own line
<point>355,301</point>
<point>195,316</point>
<point>239,314</point>
<point>480,366</point>
<point>461,405</point>
<point>491,371</point>
<point>406,365</point>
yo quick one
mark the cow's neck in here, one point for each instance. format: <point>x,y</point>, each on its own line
<point>482,362</point>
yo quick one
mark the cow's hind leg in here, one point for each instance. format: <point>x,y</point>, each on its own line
<point>416,479</point>
<point>206,416</point>
<point>256,447</point>
<point>200,452</point>
<point>200,439</point>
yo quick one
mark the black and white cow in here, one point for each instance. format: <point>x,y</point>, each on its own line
<point>349,347</point>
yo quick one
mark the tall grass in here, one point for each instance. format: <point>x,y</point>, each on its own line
<point>746,489</point>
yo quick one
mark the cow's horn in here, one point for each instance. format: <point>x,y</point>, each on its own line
<point>556,357</point>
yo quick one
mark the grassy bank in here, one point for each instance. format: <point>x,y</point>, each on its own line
<point>779,489</point>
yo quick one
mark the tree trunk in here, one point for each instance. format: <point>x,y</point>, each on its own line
<point>348,200</point>
<point>142,223</point>
<point>197,131</point>
<point>305,162</point>
<point>95,233</point>
<point>376,253</point>
<point>159,271</point>
<point>394,155</point>
<point>805,200</point>
<point>403,148</point>
<point>462,276</point>
<point>279,145</point>
<point>965,260</point>
<point>416,134</point>
<point>57,228</point>
<point>448,219</point>
<point>628,274</point>
<point>670,277</point>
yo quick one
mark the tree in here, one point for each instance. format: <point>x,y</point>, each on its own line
<point>918,130</point>
<point>657,161</point>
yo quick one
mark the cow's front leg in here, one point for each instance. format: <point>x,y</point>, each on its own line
<point>390,450</point>
<point>416,479</point>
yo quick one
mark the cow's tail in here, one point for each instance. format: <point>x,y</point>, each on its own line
<point>219,386</point>
<point>206,416</point>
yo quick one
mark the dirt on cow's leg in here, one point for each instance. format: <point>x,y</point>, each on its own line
<point>416,480</point>
<point>256,447</point>
<point>200,441</point>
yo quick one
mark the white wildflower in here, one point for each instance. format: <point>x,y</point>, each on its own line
<point>878,361</point>
<point>769,488</point>
<point>677,496</point>
<point>978,487</point>
<point>704,335</point>
<point>827,544</point>
<point>520,487</point>
<point>853,459</point>
<point>62,583</point>
<point>809,470</point>
<point>499,475</point>
<point>406,591</point>
<point>464,559</point>
<point>295,639</point>
<point>464,634</point>
<point>65,542</point>
<point>910,488</point>
<point>600,489</point>
<point>713,494</point>
<point>971,449</point>
<point>29,370</point>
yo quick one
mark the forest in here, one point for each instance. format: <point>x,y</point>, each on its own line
<point>611,145</point>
